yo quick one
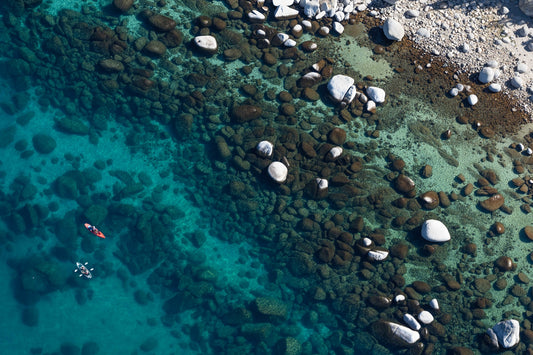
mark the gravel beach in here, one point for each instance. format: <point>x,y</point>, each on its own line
<point>472,35</point>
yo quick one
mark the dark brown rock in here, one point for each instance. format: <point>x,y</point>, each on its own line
<point>505,263</point>
<point>399,251</point>
<point>528,232</point>
<point>123,5</point>
<point>155,48</point>
<point>498,228</point>
<point>111,65</point>
<point>429,200</point>
<point>245,113</point>
<point>421,287</point>
<point>161,23</point>
<point>231,54</point>
<point>379,302</point>
<point>172,38</point>
<point>482,285</point>
<point>491,176</point>
<point>403,184</point>
<point>493,203</point>
<point>337,136</point>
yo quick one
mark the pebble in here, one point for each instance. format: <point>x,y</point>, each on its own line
<point>472,99</point>
<point>517,82</point>
<point>495,87</point>
<point>435,231</point>
<point>278,171</point>
<point>411,321</point>
<point>434,304</point>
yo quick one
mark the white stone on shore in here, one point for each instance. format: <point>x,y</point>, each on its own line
<point>423,32</point>
<point>435,231</point>
<point>265,149</point>
<point>256,15</point>
<point>377,255</point>
<point>507,332</point>
<point>339,16</point>
<point>341,88</point>
<point>472,99</point>
<point>338,27</point>
<point>335,152</point>
<point>517,82</point>
<point>411,321</point>
<point>393,29</point>
<point>285,12</point>
<point>454,92</point>
<point>282,2</point>
<point>412,13</point>
<point>465,48</point>
<point>376,94</point>
<point>311,7</point>
<point>434,304</point>
<point>278,171</point>
<point>522,68</point>
<point>320,15</point>
<point>207,44</point>
<point>495,87</point>
<point>492,63</point>
<point>425,317</point>
<point>486,75</point>
<point>460,87</point>
<point>348,9</point>
<point>407,334</point>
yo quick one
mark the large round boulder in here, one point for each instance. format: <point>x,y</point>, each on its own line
<point>393,30</point>
<point>43,143</point>
<point>206,44</point>
<point>341,88</point>
<point>278,171</point>
<point>435,231</point>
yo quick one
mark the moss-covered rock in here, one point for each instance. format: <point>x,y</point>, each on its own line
<point>43,143</point>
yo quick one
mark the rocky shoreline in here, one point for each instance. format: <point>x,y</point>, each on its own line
<point>471,35</point>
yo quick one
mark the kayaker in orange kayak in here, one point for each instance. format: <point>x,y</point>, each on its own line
<point>94,230</point>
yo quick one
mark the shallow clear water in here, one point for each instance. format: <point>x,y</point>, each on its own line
<point>203,252</point>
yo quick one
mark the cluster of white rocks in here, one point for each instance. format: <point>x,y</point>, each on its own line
<point>410,332</point>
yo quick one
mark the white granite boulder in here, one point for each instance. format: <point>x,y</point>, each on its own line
<point>338,27</point>
<point>434,304</point>
<point>285,12</point>
<point>265,149</point>
<point>495,87</point>
<point>393,30</point>
<point>486,75</point>
<point>335,152</point>
<point>378,254</point>
<point>341,88</point>
<point>435,231</point>
<point>282,2</point>
<point>394,333</point>
<point>517,82</point>
<point>311,7</point>
<point>278,171</point>
<point>506,332</point>
<point>411,321</point>
<point>472,99</point>
<point>256,16</point>
<point>376,94</point>
<point>425,317</point>
<point>207,44</point>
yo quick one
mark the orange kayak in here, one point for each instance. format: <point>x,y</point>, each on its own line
<point>94,230</point>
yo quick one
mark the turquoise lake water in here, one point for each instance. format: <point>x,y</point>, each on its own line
<point>203,253</point>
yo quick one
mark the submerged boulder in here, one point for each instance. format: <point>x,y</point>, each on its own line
<point>435,231</point>
<point>395,334</point>
<point>505,334</point>
<point>278,171</point>
<point>341,88</point>
<point>206,44</point>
